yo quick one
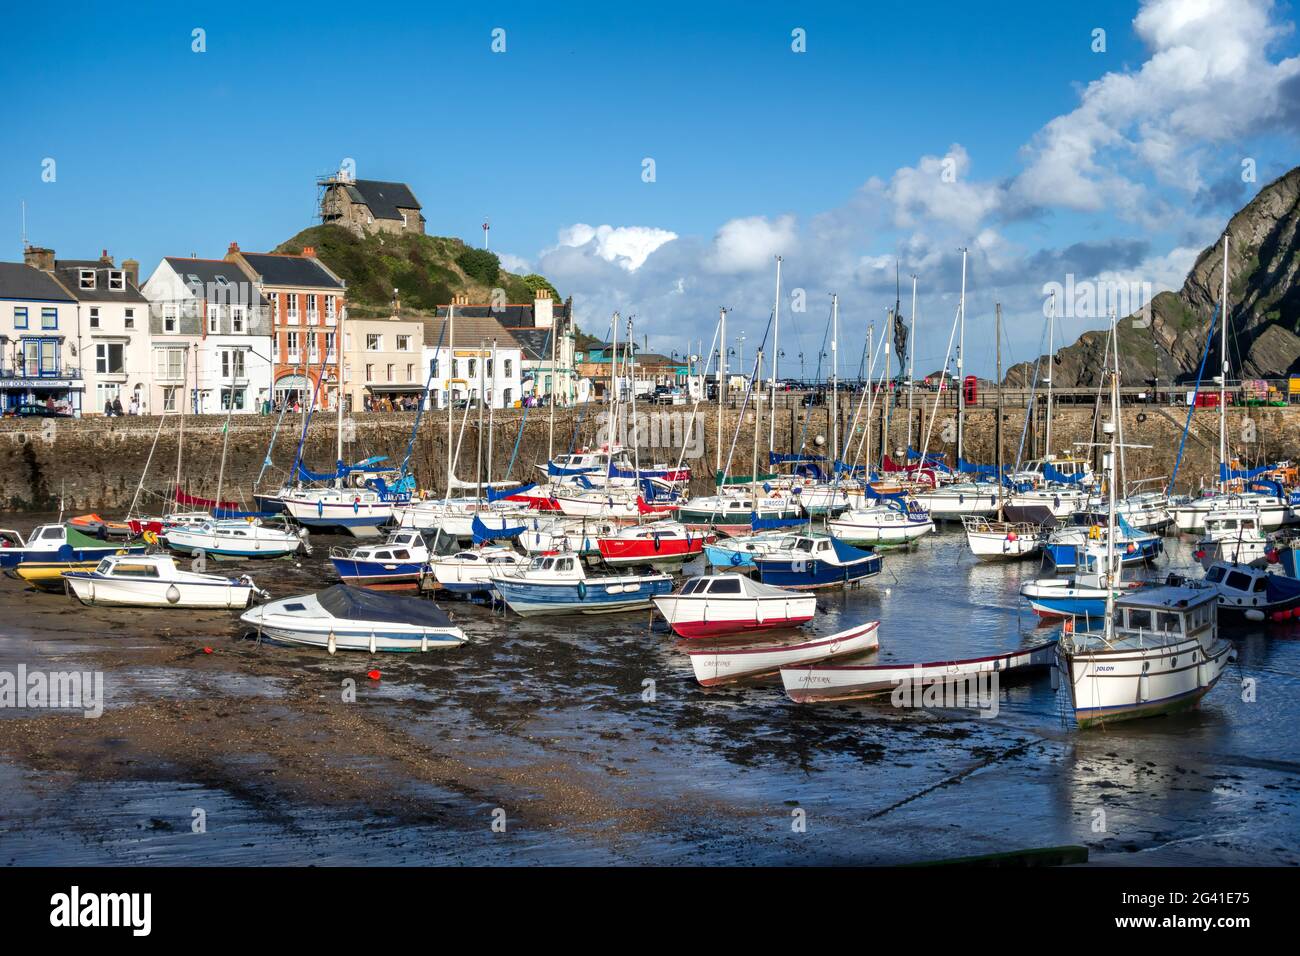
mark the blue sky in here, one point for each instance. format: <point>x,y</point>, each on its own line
<point>820,155</point>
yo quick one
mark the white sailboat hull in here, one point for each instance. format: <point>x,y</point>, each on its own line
<point>720,665</point>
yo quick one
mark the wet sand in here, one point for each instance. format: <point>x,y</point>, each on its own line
<point>545,721</point>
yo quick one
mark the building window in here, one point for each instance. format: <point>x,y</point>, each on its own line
<point>508,363</point>
<point>410,373</point>
<point>473,367</point>
<point>374,342</point>
<point>169,318</point>
<point>390,371</point>
<point>49,318</point>
<point>275,308</point>
<point>94,316</point>
<point>232,365</point>
<point>403,343</point>
<point>292,340</point>
<point>235,394</point>
<point>292,298</point>
<point>487,367</point>
<point>237,318</point>
<point>169,398</point>
<point>128,318</point>
<point>313,313</point>
<point>170,363</point>
<point>86,279</point>
<point>329,345</point>
<point>20,317</point>
<point>370,373</point>
<point>40,357</point>
<point>116,280</point>
<point>214,318</point>
<point>329,309</point>
<point>108,358</point>
<point>433,368</point>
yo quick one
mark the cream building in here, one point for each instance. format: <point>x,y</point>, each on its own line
<point>383,361</point>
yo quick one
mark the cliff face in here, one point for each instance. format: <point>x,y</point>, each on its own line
<point>1263,313</point>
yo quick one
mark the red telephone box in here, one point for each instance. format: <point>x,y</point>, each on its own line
<point>970,386</point>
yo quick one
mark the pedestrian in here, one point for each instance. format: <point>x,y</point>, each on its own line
<point>108,408</point>
<point>117,407</point>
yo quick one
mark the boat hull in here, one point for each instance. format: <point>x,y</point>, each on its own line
<point>812,573</point>
<point>530,599</point>
<point>99,591</point>
<point>722,665</point>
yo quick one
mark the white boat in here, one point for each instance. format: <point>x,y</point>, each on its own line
<point>1159,653</point>
<point>823,499</point>
<point>991,540</point>
<point>558,533</point>
<point>951,502</point>
<point>346,618</point>
<point>883,524</point>
<point>397,563</point>
<point>153,580</point>
<point>1233,535</point>
<point>558,584</point>
<point>732,603</point>
<point>1190,515</point>
<point>720,664</point>
<point>357,511</point>
<point>1148,511</point>
<point>234,539</point>
<point>1040,504</point>
<point>470,572</point>
<point>1049,470</point>
<point>854,681</point>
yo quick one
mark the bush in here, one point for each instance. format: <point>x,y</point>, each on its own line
<point>480,264</point>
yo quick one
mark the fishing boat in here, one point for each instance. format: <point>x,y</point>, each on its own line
<point>346,618</point>
<point>397,563</point>
<point>721,664</point>
<point>153,580</point>
<point>58,542</point>
<point>470,572</point>
<point>1233,536</point>
<point>894,522</point>
<point>657,543</point>
<point>1251,594</point>
<point>991,540</point>
<point>808,561</point>
<point>48,575</point>
<point>247,538</point>
<point>558,584</point>
<point>732,603</point>
<point>814,684</point>
<point>1159,652</point>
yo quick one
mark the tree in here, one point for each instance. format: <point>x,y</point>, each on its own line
<point>480,264</point>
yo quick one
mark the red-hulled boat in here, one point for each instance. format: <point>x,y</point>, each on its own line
<point>661,542</point>
<point>732,603</point>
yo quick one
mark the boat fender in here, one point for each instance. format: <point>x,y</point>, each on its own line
<point>356,504</point>
<point>372,642</point>
<point>1094,532</point>
<point>1011,536</point>
<point>332,645</point>
<point>657,544</point>
<point>1254,614</point>
<point>582,590</point>
<point>173,594</point>
<point>1141,417</point>
<point>424,641</point>
<point>1144,688</point>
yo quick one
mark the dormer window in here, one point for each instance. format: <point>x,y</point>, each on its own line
<point>223,281</point>
<point>117,280</point>
<point>86,279</point>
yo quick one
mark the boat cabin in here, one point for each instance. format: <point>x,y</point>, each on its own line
<point>1231,523</point>
<point>1032,471</point>
<point>1164,614</point>
<point>156,567</point>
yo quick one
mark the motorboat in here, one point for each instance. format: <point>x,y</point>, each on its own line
<point>809,561</point>
<point>657,543</point>
<point>1233,536</point>
<point>154,580</point>
<point>48,575</point>
<point>991,540</point>
<point>1250,594</point>
<point>58,542</point>
<point>347,618</point>
<point>399,562</point>
<point>559,584</point>
<point>470,571</point>
<point>731,603</point>
<point>1189,514</point>
<point>235,538</point>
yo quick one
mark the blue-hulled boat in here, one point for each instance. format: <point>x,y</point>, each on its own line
<point>400,562</point>
<point>58,542</point>
<point>807,561</point>
<point>558,584</point>
<point>1063,547</point>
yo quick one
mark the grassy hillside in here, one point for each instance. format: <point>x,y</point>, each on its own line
<point>425,270</point>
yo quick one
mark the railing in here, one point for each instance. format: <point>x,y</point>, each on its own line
<point>36,373</point>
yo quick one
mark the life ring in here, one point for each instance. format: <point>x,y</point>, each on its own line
<point>582,590</point>
<point>1095,532</point>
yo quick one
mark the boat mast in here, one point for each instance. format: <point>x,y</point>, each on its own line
<point>613,398</point>
<point>631,377</point>
<point>1109,461</point>
<point>492,412</point>
<point>451,375</point>
<point>482,399</point>
<point>997,429</point>
<point>1223,372</point>
<point>722,385</point>
<point>180,434</point>
<point>961,359</point>
<point>911,366</point>
<point>550,438</point>
<point>871,404</point>
<point>835,383</point>
<point>758,424</point>
<point>776,353</point>
<point>1051,362</point>
<point>338,424</point>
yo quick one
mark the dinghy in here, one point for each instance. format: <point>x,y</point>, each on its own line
<point>737,553</point>
<point>808,561</point>
<point>731,604</point>
<point>153,580</point>
<point>853,681</point>
<point>97,527</point>
<point>558,584</point>
<point>720,664</point>
<point>346,618</point>
<point>48,575</point>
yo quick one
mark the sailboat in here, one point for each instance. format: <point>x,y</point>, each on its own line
<point>1158,649</point>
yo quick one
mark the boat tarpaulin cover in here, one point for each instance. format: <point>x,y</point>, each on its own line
<point>1051,474</point>
<point>1281,588</point>
<point>358,604</point>
<point>1228,474</point>
<point>847,553</point>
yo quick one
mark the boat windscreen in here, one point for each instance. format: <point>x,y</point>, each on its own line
<point>358,604</point>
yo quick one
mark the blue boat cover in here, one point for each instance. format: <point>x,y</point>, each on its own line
<point>497,494</point>
<point>228,513</point>
<point>1228,474</point>
<point>361,605</point>
<point>1268,487</point>
<point>846,552</point>
<point>1282,588</point>
<point>771,524</point>
<point>774,458</point>
<point>1051,474</point>
<point>483,534</point>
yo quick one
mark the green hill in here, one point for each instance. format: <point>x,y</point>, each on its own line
<point>426,271</point>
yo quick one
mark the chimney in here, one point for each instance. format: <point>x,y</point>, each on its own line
<point>39,258</point>
<point>132,269</point>
<point>105,258</point>
<point>309,252</point>
<point>543,310</point>
<point>460,298</point>
<point>233,250</point>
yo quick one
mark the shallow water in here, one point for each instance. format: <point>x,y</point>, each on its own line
<point>552,708</point>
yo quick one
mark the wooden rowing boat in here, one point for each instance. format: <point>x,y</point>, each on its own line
<point>720,663</point>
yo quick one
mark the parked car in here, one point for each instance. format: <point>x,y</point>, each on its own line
<point>37,410</point>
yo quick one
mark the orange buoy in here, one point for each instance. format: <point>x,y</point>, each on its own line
<point>373,675</point>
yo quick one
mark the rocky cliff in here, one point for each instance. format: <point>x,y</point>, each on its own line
<point>1263,314</point>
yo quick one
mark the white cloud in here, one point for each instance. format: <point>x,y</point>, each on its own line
<point>515,264</point>
<point>938,189</point>
<point>743,245</point>
<point>627,246</point>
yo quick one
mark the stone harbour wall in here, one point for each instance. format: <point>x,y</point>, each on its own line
<point>97,463</point>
